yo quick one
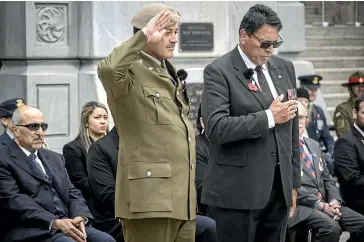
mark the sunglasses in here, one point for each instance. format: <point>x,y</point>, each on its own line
<point>267,44</point>
<point>34,126</point>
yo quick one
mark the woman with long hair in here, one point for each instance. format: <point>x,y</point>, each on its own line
<point>93,126</point>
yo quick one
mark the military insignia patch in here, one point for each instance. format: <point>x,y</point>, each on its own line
<point>19,103</point>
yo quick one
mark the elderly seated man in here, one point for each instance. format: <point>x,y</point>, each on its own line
<point>37,200</point>
<point>319,204</point>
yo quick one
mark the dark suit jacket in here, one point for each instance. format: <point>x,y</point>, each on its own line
<point>349,163</point>
<point>4,139</point>
<point>75,156</point>
<point>102,160</point>
<point>242,153</point>
<point>311,186</point>
<point>319,130</point>
<point>26,200</point>
<point>202,160</point>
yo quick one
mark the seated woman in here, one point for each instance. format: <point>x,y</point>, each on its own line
<point>93,126</point>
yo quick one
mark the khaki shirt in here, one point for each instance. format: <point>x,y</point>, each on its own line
<point>343,117</point>
<point>157,160</point>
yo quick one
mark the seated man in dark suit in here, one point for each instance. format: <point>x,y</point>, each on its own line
<point>349,156</point>
<point>102,166</point>
<point>319,204</point>
<point>37,200</point>
<point>6,112</point>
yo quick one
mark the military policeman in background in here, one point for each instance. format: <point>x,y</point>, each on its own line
<point>343,115</point>
<point>6,112</point>
<point>317,128</point>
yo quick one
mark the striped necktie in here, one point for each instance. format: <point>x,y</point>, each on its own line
<point>306,159</point>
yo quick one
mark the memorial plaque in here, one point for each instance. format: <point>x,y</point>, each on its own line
<point>194,91</point>
<point>196,37</point>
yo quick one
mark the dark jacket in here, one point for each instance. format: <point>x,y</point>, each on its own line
<point>243,150</point>
<point>102,160</point>
<point>26,199</point>
<point>75,156</point>
<point>202,159</point>
<point>4,139</point>
<point>307,194</point>
<point>349,162</point>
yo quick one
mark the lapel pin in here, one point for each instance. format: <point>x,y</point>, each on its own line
<point>301,172</point>
<point>314,155</point>
<point>279,76</point>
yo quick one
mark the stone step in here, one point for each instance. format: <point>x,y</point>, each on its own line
<point>333,99</point>
<point>311,10</point>
<point>318,41</point>
<point>312,18</point>
<point>328,87</point>
<point>337,73</point>
<point>332,51</point>
<point>336,62</point>
<point>334,31</point>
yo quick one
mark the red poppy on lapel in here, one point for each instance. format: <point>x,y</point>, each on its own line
<point>252,86</point>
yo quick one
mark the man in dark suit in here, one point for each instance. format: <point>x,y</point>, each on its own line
<point>318,200</point>
<point>37,200</point>
<point>6,112</point>
<point>102,161</point>
<point>349,160</point>
<point>254,167</point>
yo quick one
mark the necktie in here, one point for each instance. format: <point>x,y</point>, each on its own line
<point>264,85</point>
<point>306,159</point>
<point>33,158</point>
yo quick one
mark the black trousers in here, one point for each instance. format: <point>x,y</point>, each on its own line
<point>327,229</point>
<point>268,224</point>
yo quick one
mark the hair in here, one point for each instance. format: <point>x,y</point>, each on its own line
<point>87,110</point>
<point>17,117</point>
<point>198,122</point>
<point>303,93</point>
<point>135,30</point>
<point>258,16</point>
<point>358,101</point>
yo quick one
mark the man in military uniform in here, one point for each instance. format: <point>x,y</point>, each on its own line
<point>317,128</point>
<point>343,115</point>
<point>155,193</point>
<point>6,112</point>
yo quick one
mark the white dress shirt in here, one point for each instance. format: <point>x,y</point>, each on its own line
<point>27,153</point>
<point>272,88</point>
<point>10,134</point>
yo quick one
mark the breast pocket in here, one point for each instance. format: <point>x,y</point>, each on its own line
<point>157,105</point>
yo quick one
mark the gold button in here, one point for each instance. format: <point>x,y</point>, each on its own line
<point>157,95</point>
<point>192,166</point>
<point>182,115</point>
<point>149,173</point>
<point>189,140</point>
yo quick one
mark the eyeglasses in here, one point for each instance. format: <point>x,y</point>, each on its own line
<point>34,126</point>
<point>267,44</point>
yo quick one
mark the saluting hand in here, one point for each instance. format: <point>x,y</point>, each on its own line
<point>154,30</point>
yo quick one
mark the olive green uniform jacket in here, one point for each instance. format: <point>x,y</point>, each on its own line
<point>156,166</point>
<point>343,117</point>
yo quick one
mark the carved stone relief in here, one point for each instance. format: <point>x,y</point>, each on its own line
<point>51,25</point>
